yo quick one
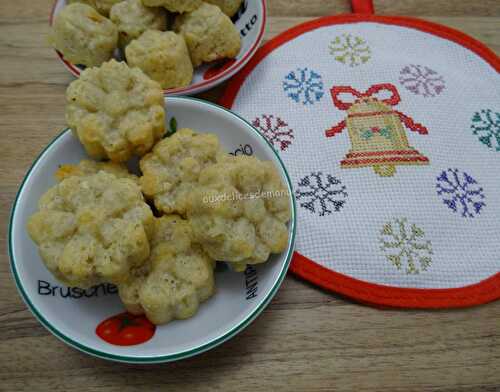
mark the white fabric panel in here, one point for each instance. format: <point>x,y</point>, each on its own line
<point>465,250</point>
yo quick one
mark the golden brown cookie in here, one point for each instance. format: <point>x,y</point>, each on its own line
<point>177,278</point>
<point>132,19</point>
<point>163,56</point>
<point>209,33</point>
<point>115,111</point>
<point>239,211</point>
<point>92,229</point>
<point>229,7</point>
<point>83,35</point>
<point>171,170</point>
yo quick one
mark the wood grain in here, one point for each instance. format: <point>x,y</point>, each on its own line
<point>387,7</point>
<point>307,339</point>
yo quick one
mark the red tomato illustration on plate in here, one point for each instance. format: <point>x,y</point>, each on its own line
<point>217,69</point>
<point>125,329</point>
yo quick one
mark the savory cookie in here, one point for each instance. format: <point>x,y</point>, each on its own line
<point>102,6</point>
<point>83,35</point>
<point>239,210</point>
<point>209,33</point>
<point>229,7</point>
<point>171,170</point>
<point>133,18</point>
<point>87,168</point>
<point>178,276</point>
<point>163,56</point>
<point>174,5</point>
<point>115,111</point>
<point>92,229</point>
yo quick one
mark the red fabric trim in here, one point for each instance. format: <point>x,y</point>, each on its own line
<point>362,6</point>
<point>185,90</point>
<point>375,294</point>
<point>371,293</point>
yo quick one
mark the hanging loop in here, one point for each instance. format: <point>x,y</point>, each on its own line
<point>362,7</point>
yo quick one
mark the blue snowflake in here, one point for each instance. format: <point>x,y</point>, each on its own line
<point>304,85</point>
<point>460,192</point>
<point>321,194</point>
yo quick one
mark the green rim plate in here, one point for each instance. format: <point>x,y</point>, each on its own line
<point>172,357</point>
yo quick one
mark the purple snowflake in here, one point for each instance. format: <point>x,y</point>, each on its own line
<point>275,130</point>
<point>460,192</point>
<point>321,194</point>
<point>422,80</point>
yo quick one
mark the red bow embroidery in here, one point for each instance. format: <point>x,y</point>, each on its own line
<point>393,100</point>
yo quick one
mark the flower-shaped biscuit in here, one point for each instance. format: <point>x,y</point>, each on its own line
<point>240,210</point>
<point>83,35</point>
<point>174,5</point>
<point>87,168</point>
<point>133,18</point>
<point>92,229</point>
<point>209,33</point>
<point>171,170</point>
<point>178,276</point>
<point>229,7</point>
<point>115,111</point>
<point>163,56</point>
<point>102,6</point>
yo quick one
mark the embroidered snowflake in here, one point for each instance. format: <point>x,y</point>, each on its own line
<point>486,125</point>
<point>304,86</point>
<point>321,194</point>
<point>350,49</point>
<point>275,130</point>
<point>405,246</point>
<point>421,80</point>
<point>460,192</point>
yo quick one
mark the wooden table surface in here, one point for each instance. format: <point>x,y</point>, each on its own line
<point>306,339</point>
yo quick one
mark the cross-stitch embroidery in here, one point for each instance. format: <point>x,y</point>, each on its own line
<point>321,194</point>
<point>486,126</point>
<point>350,49</point>
<point>421,80</point>
<point>304,86</point>
<point>376,130</point>
<point>460,192</point>
<point>405,246</point>
<point>275,130</point>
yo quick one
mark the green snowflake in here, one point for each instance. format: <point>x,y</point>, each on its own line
<point>350,49</point>
<point>486,126</point>
<point>404,245</point>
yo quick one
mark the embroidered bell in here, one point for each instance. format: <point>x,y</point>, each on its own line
<point>376,130</point>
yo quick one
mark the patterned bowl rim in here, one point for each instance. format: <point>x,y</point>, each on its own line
<point>194,88</point>
<point>187,353</point>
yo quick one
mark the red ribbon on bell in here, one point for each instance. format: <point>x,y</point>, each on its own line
<point>372,93</point>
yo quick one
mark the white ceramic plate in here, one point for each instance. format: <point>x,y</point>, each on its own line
<point>250,20</point>
<point>74,315</point>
